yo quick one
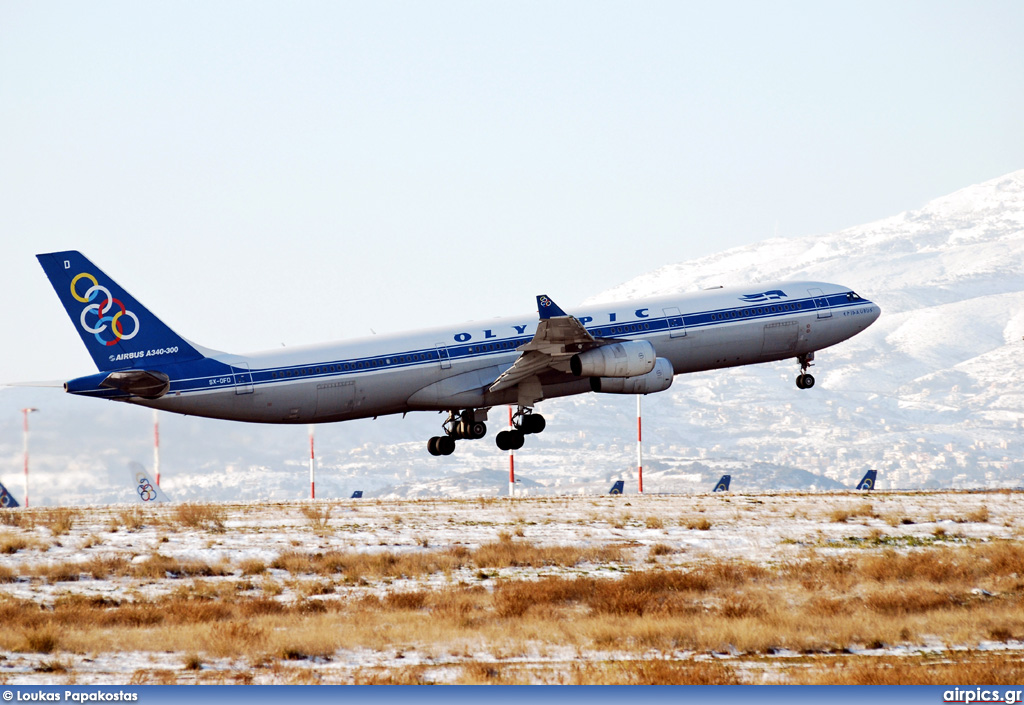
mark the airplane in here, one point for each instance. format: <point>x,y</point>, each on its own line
<point>629,347</point>
<point>617,487</point>
<point>7,500</point>
<point>868,481</point>
<point>358,494</point>
<point>723,484</point>
<point>145,491</point>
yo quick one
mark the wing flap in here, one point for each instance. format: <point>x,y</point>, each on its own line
<point>559,336</point>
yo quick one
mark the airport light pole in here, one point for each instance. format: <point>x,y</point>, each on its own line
<point>25,412</point>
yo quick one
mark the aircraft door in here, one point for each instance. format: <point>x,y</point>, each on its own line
<point>676,326</point>
<point>243,378</point>
<point>820,303</point>
<point>442,355</point>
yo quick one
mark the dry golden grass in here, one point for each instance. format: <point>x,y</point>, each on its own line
<point>209,517</point>
<point>507,553</point>
<point>843,514</point>
<point>544,599</point>
<point>131,519</point>
<point>12,543</point>
<point>988,668</point>
<point>16,518</point>
<point>318,516</point>
<point>654,523</point>
<point>656,672</point>
<point>58,520</point>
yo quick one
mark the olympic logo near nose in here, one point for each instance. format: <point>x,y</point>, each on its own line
<point>101,311</point>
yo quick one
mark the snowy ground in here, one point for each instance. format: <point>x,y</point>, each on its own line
<point>763,528</point>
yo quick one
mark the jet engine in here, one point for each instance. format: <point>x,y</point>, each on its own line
<point>630,359</point>
<point>657,380</point>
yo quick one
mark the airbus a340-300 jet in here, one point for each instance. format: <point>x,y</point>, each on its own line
<point>630,347</point>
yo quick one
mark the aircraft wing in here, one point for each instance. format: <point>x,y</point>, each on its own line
<point>559,336</point>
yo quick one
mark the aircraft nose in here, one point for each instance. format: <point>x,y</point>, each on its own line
<point>877,312</point>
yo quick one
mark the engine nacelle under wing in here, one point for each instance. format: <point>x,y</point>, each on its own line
<point>629,359</point>
<point>657,380</point>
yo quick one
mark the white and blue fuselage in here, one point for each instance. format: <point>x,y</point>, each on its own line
<point>144,362</point>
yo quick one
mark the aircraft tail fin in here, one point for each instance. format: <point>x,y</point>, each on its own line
<point>617,487</point>
<point>145,490</point>
<point>117,330</point>
<point>868,481</point>
<point>7,500</point>
<point>723,484</point>
<point>358,494</point>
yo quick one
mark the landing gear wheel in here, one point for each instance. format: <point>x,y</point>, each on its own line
<point>516,439</point>
<point>432,446</point>
<point>533,423</point>
<point>510,440</point>
<point>477,429</point>
<point>805,381</point>
<point>445,445</point>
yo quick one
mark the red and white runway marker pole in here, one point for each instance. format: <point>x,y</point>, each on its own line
<point>156,446</point>
<point>511,462</point>
<point>639,446</point>
<point>312,477</point>
<point>25,412</point>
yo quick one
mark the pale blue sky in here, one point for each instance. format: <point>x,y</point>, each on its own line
<point>260,173</point>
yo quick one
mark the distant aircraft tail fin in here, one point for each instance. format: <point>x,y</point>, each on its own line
<point>118,331</point>
<point>7,500</point>
<point>145,490</point>
<point>358,494</point>
<point>617,487</point>
<point>723,484</point>
<point>868,481</point>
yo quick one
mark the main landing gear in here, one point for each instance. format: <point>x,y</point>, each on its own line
<point>804,380</point>
<point>523,422</point>
<point>458,426</point>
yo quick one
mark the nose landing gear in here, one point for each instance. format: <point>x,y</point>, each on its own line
<point>804,380</point>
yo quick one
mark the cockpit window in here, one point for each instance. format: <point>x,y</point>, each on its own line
<point>853,296</point>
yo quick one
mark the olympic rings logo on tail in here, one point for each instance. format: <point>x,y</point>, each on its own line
<point>102,312</point>
<point>145,489</point>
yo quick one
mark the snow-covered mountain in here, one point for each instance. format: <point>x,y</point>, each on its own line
<point>930,395</point>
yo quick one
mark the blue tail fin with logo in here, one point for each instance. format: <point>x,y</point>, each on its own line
<point>723,484</point>
<point>868,481</point>
<point>358,494</point>
<point>7,501</point>
<point>118,331</point>
<point>617,487</point>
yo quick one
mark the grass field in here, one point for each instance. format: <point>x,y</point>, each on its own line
<point>769,588</point>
